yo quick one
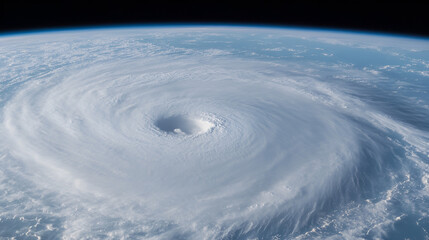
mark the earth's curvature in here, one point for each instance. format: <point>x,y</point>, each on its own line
<point>213,132</point>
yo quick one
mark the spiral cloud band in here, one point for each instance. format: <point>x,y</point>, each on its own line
<point>213,133</point>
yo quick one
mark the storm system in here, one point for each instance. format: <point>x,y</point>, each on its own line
<point>213,132</point>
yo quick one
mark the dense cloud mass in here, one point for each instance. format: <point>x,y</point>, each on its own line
<point>213,133</point>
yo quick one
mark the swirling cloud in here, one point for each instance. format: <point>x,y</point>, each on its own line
<point>144,134</point>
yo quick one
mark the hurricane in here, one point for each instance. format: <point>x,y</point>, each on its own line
<point>213,132</point>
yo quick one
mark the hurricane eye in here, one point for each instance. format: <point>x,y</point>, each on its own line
<point>181,124</point>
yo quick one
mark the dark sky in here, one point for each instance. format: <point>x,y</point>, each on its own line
<point>390,17</point>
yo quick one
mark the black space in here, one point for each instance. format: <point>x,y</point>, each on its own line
<point>388,17</point>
